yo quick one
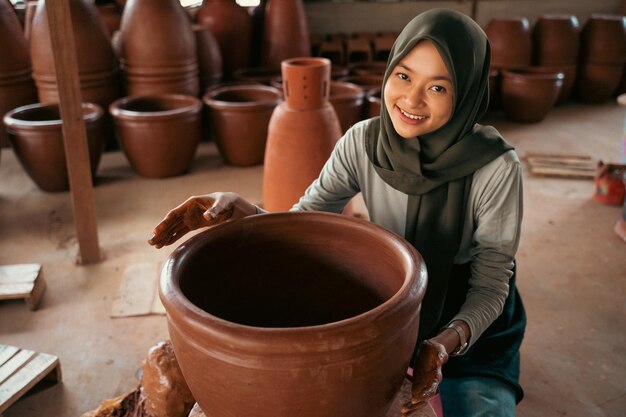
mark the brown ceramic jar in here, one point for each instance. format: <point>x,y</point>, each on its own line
<point>302,133</point>
<point>209,57</point>
<point>348,100</point>
<point>596,83</point>
<point>159,134</point>
<point>262,75</point>
<point>35,132</point>
<point>528,97</point>
<point>286,33</point>
<point>374,102</point>
<point>511,42</point>
<point>239,116</point>
<point>556,40</point>
<point>603,40</point>
<point>322,308</point>
<point>569,77</point>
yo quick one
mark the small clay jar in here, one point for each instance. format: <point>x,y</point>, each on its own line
<point>569,78</point>
<point>261,75</point>
<point>348,100</point>
<point>511,42</point>
<point>603,39</point>
<point>285,34</point>
<point>596,83</point>
<point>35,132</point>
<point>528,97</point>
<point>209,57</point>
<point>158,134</point>
<point>374,102</point>
<point>239,117</point>
<point>313,303</point>
<point>556,40</point>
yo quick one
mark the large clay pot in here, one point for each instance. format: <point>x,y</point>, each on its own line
<point>286,34</point>
<point>232,27</point>
<point>348,101</point>
<point>35,132</point>
<point>209,57</point>
<point>111,16</point>
<point>603,39</point>
<point>16,85</point>
<point>511,42</point>
<point>569,78</point>
<point>596,83</point>
<point>239,117</point>
<point>320,308</point>
<point>302,132</point>
<point>155,61</point>
<point>528,97</point>
<point>374,102</point>
<point>159,134</point>
<point>556,40</point>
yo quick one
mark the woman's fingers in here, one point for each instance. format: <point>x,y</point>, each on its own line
<point>174,237</point>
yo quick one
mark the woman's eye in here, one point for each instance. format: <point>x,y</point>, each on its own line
<point>403,76</point>
<point>438,89</point>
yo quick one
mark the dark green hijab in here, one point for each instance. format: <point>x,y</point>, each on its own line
<point>436,169</point>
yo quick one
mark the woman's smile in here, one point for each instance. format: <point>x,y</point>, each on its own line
<point>411,118</point>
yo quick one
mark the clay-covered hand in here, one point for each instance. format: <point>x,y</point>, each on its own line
<point>199,211</point>
<point>426,374</point>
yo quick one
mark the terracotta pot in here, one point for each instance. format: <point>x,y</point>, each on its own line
<point>35,132</point>
<point>316,41</point>
<point>29,14</point>
<point>374,102</point>
<point>111,17</point>
<point>262,75</point>
<point>159,134</point>
<point>368,68</point>
<point>154,62</point>
<point>348,101</point>
<point>382,47</point>
<point>232,27</point>
<point>209,57</point>
<point>338,71</point>
<point>286,34</point>
<point>556,40</point>
<point>239,116</point>
<point>292,162</point>
<point>313,303</point>
<point>569,73</point>
<point>358,50</point>
<point>511,42</point>
<point>368,81</point>
<point>528,97</point>
<point>596,83</point>
<point>333,50</point>
<point>603,39</point>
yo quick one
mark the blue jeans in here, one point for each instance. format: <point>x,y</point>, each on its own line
<point>477,397</point>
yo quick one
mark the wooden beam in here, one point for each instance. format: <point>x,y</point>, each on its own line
<point>74,131</point>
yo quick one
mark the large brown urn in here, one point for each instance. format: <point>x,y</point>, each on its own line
<point>285,33</point>
<point>302,133</point>
<point>209,57</point>
<point>511,42</point>
<point>300,314</point>
<point>556,40</point>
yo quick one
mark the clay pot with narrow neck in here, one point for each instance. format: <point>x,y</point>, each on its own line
<point>239,116</point>
<point>286,33</point>
<point>374,102</point>
<point>603,40</point>
<point>320,307</point>
<point>511,42</point>
<point>35,132</point>
<point>159,134</point>
<point>528,97</point>
<point>209,57</point>
<point>556,40</point>
<point>232,27</point>
<point>302,133</point>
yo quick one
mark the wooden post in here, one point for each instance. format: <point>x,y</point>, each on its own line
<point>74,131</point>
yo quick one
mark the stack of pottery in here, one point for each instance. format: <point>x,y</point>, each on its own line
<point>239,117</point>
<point>309,314</point>
<point>159,134</point>
<point>528,96</point>
<point>16,85</point>
<point>209,57</point>
<point>285,33</point>
<point>232,27</point>
<point>35,132</point>
<point>302,133</point>
<point>158,49</point>
<point>511,42</point>
<point>603,54</point>
<point>556,40</point>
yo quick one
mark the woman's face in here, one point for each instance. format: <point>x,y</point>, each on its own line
<point>419,93</point>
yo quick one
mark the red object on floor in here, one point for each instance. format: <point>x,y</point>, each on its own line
<point>610,185</point>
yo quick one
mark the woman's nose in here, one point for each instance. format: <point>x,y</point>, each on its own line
<point>414,97</point>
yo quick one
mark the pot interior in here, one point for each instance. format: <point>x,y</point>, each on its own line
<point>38,114</point>
<point>153,105</point>
<point>280,277</point>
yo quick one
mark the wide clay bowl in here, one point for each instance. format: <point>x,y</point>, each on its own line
<point>304,314</point>
<point>239,116</point>
<point>528,97</point>
<point>35,133</point>
<point>569,77</point>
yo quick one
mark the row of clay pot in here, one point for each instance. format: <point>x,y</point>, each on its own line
<point>342,49</point>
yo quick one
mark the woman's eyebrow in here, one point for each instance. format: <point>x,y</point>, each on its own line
<point>435,78</point>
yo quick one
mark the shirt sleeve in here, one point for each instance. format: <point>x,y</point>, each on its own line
<point>497,216</point>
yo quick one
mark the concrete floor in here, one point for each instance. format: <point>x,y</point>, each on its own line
<point>571,273</point>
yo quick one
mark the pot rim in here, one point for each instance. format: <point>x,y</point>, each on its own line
<point>305,62</point>
<point>413,262</point>
<point>11,121</point>
<point>210,100</point>
<point>516,74</point>
<point>193,105</point>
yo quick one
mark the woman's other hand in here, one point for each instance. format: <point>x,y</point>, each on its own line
<point>426,374</point>
<point>199,211</point>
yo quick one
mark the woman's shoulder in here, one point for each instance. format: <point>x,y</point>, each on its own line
<point>506,162</point>
<point>357,134</point>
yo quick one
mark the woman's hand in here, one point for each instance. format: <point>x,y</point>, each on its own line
<point>426,374</point>
<point>199,211</point>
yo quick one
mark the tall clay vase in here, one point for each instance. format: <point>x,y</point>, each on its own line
<point>302,133</point>
<point>511,42</point>
<point>306,314</point>
<point>35,132</point>
<point>556,40</point>
<point>232,27</point>
<point>16,85</point>
<point>158,134</point>
<point>239,116</point>
<point>286,33</point>
<point>158,49</point>
<point>528,97</point>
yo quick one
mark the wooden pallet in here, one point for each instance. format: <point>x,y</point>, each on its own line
<point>22,281</point>
<point>561,165</point>
<point>21,369</point>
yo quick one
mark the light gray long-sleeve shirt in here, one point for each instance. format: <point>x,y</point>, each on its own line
<point>491,229</point>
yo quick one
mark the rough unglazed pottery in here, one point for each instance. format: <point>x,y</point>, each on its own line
<point>528,97</point>
<point>322,308</point>
<point>596,83</point>
<point>232,27</point>
<point>154,61</point>
<point>35,132</point>
<point>239,117</point>
<point>286,33</point>
<point>158,134</point>
<point>302,133</point>
<point>209,57</point>
<point>603,39</point>
<point>348,100</point>
<point>511,42</point>
<point>556,40</point>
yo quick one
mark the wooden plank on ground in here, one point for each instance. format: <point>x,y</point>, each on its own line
<point>22,281</point>
<point>137,294</point>
<point>7,352</point>
<point>22,371</point>
<point>561,165</point>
